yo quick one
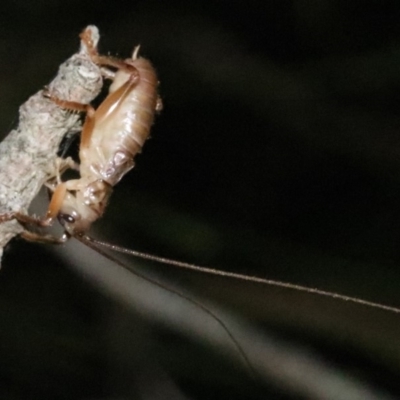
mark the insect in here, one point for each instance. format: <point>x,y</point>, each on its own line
<point>111,137</point>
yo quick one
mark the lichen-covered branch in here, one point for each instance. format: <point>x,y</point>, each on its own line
<point>28,153</point>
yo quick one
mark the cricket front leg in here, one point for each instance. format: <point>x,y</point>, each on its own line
<point>54,208</point>
<point>52,212</point>
<point>24,219</point>
<point>30,236</point>
<point>43,238</point>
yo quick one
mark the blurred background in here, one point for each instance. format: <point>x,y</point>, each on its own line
<point>277,154</point>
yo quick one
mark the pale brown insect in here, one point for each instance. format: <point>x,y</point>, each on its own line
<point>111,137</point>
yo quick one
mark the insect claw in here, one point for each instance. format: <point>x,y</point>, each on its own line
<point>65,237</point>
<point>45,222</point>
<point>135,52</point>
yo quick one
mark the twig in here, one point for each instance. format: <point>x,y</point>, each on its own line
<point>28,153</point>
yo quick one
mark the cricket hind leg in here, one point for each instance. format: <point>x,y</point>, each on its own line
<point>111,102</point>
<point>117,63</point>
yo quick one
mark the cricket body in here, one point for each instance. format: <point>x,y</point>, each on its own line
<point>112,135</point>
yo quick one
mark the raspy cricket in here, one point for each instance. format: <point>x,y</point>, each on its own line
<point>112,136</point>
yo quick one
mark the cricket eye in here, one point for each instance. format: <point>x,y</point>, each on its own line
<point>67,218</point>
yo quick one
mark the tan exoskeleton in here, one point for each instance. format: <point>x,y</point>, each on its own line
<point>111,137</point>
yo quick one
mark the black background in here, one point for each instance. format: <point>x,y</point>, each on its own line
<point>277,154</point>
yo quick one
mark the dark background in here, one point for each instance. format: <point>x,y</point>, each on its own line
<point>277,154</point>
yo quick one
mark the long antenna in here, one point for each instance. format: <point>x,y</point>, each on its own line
<point>211,271</point>
<point>95,245</point>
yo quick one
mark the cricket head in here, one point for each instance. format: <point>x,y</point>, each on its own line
<point>83,207</point>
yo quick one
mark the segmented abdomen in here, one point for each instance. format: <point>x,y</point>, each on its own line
<point>140,107</point>
<point>121,134</point>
